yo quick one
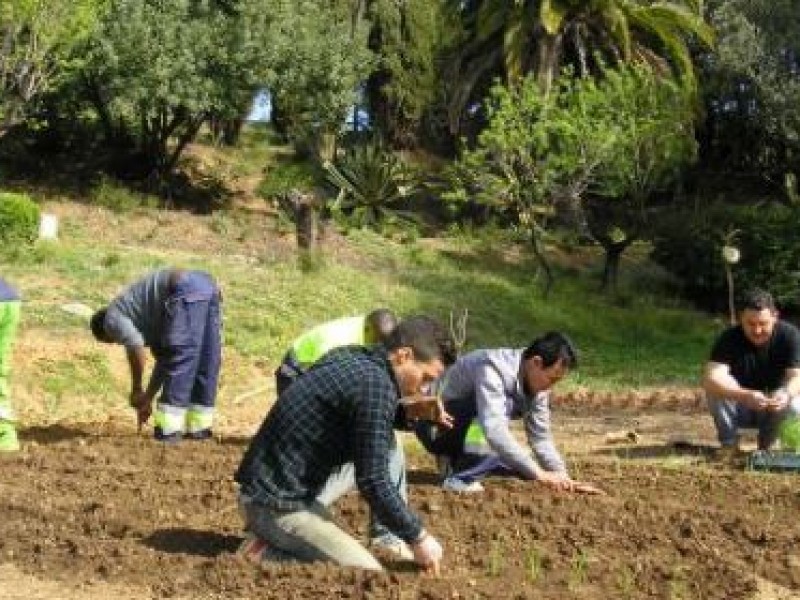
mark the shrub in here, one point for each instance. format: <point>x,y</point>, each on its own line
<point>19,219</point>
<point>372,181</point>
<point>689,245</point>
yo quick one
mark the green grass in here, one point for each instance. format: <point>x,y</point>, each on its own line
<point>269,300</point>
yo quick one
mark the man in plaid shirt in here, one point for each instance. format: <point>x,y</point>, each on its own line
<point>343,410</point>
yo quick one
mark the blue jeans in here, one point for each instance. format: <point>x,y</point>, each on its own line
<point>191,349</point>
<point>307,535</point>
<point>730,416</point>
<point>310,534</point>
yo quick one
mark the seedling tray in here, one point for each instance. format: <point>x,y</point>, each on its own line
<point>774,461</point>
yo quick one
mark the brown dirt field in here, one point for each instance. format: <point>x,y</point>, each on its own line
<point>95,511</point>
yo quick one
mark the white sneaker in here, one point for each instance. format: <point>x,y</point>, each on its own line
<point>454,484</point>
<point>393,545</point>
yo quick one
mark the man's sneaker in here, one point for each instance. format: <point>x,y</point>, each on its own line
<point>9,442</point>
<point>393,545</point>
<point>160,436</point>
<point>454,484</point>
<point>203,434</point>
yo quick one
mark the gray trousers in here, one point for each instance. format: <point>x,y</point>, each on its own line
<point>730,416</point>
<point>310,534</point>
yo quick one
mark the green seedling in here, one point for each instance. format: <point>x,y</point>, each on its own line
<point>496,560</point>
<point>626,582</point>
<point>580,569</point>
<point>534,564</point>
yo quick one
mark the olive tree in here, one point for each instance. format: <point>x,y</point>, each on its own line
<point>617,139</point>
<point>36,37</point>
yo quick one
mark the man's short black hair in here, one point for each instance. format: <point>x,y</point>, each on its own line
<point>428,338</point>
<point>380,323</point>
<point>756,299</point>
<point>97,324</point>
<point>553,347</point>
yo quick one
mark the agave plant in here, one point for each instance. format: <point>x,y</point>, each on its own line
<point>371,182</point>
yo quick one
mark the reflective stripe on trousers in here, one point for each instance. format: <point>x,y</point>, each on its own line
<point>475,441</point>
<point>199,418</point>
<point>170,419</point>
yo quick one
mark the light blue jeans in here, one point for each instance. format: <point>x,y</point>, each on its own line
<point>310,534</point>
<point>730,416</point>
<point>344,480</point>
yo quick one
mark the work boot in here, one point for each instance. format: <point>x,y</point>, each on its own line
<point>203,434</point>
<point>170,438</point>
<point>9,442</point>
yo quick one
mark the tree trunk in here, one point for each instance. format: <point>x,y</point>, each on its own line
<point>542,260</point>
<point>613,253</point>
<point>547,61</point>
<point>306,226</point>
<point>305,207</point>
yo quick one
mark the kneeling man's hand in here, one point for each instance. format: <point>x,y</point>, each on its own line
<point>428,553</point>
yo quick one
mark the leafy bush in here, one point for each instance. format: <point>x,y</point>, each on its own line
<point>689,245</point>
<point>19,219</point>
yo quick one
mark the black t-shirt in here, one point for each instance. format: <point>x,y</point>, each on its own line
<point>759,368</point>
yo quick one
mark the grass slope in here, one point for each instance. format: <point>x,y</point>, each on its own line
<point>639,338</point>
<point>627,342</point>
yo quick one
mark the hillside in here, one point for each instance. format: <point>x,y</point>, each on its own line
<point>640,338</point>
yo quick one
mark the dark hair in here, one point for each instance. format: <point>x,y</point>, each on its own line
<point>379,324</point>
<point>428,338</point>
<point>552,347</point>
<point>755,299</point>
<point>97,324</point>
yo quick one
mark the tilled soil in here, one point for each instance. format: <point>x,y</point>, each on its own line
<point>88,505</point>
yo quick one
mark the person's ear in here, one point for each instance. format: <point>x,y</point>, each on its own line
<point>404,354</point>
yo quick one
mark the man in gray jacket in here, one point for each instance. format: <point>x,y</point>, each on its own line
<point>482,392</point>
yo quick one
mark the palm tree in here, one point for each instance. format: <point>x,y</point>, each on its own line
<point>538,36</point>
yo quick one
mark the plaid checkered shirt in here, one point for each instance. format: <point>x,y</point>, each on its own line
<point>342,410</point>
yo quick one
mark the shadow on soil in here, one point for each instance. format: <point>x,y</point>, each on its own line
<point>52,434</point>
<point>422,477</point>
<point>208,544</point>
<point>659,451</point>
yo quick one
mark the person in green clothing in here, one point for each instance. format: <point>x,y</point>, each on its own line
<point>9,320</point>
<point>364,330</point>
<point>307,349</point>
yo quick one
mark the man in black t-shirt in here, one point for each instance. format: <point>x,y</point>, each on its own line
<point>752,379</point>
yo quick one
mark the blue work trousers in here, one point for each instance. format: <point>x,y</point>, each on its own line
<point>191,348</point>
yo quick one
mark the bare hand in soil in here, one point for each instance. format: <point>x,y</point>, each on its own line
<point>143,405</point>
<point>587,488</point>
<point>562,483</point>
<point>433,569</point>
<point>143,413</point>
<point>428,553</point>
